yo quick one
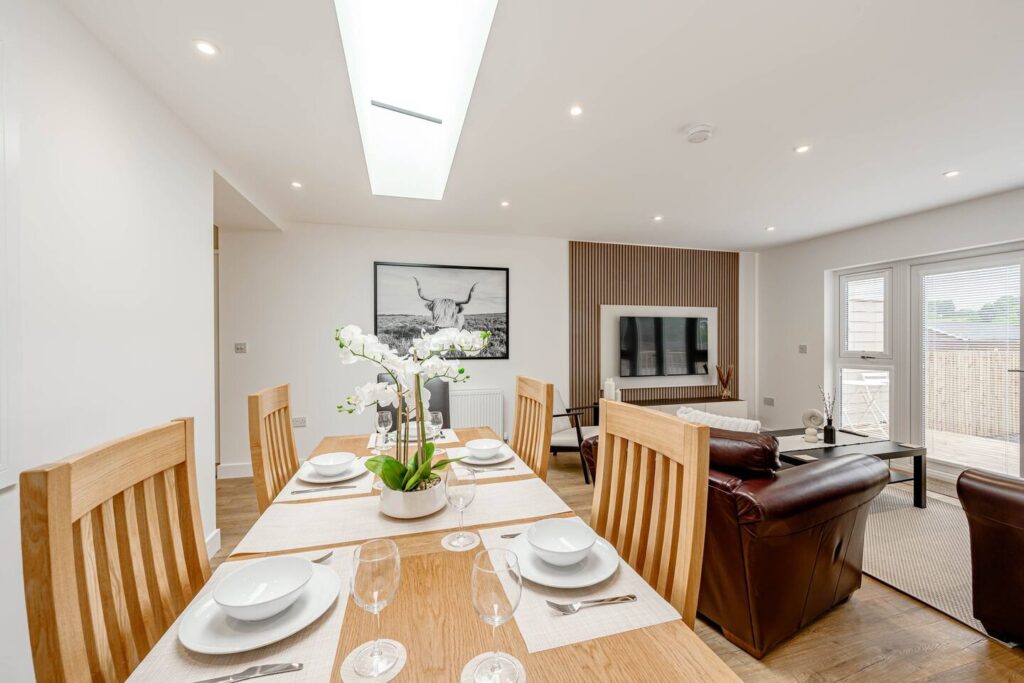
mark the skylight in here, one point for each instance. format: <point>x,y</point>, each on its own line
<point>412,65</point>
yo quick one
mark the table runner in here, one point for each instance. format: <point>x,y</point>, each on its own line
<point>447,436</point>
<point>543,628</point>
<point>313,646</point>
<point>330,522</point>
<point>363,484</point>
<point>795,442</point>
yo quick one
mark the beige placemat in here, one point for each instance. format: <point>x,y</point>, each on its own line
<point>509,468</point>
<point>447,436</point>
<point>313,646</point>
<point>543,628</point>
<point>363,484</point>
<point>329,522</point>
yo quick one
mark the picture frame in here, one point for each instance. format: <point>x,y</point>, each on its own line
<point>410,297</point>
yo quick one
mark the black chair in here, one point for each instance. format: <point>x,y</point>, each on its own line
<point>438,389</point>
<point>568,435</point>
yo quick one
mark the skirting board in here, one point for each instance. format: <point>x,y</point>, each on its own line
<point>213,543</point>
<point>235,470</point>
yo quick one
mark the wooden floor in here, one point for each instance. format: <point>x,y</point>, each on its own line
<point>878,635</point>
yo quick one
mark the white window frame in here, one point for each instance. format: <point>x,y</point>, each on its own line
<point>844,281</point>
<point>8,285</point>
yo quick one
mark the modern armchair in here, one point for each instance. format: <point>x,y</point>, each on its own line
<point>568,435</point>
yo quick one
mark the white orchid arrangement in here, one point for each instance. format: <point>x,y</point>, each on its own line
<point>409,373</point>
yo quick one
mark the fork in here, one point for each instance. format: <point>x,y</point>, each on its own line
<point>484,470</point>
<point>574,607</point>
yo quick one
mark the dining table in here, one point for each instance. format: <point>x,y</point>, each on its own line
<point>432,615</point>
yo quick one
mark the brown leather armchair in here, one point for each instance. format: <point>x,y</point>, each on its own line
<point>994,505</point>
<point>782,547</point>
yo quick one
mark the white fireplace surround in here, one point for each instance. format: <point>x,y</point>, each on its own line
<point>610,315</point>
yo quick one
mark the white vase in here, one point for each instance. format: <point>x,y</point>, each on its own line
<point>412,504</point>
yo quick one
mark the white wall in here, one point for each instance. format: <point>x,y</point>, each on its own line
<point>284,294</point>
<point>110,202</point>
<point>791,288</point>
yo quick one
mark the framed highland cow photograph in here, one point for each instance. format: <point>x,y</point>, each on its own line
<point>410,297</point>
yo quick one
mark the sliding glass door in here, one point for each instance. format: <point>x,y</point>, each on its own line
<point>966,361</point>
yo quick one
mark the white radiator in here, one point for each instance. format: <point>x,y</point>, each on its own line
<point>478,408</point>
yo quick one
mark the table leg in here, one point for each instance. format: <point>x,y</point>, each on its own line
<point>920,481</point>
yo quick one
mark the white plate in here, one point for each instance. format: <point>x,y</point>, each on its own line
<point>307,474</point>
<point>600,564</point>
<point>504,455</point>
<point>207,629</point>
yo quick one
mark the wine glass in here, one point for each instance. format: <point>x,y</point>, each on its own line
<point>436,421</point>
<point>460,490</point>
<point>496,587</point>
<point>383,426</point>
<point>376,571</point>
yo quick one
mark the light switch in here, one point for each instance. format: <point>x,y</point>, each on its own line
<point>769,401</point>
<point>802,348</point>
<point>298,422</point>
<point>241,347</point>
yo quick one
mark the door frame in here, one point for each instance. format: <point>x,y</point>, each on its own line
<point>947,264</point>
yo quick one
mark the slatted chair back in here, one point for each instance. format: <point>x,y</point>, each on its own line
<point>271,443</point>
<point>650,498</point>
<point>113,550</point>
<point>531,435</point>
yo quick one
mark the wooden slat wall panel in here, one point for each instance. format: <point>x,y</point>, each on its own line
<point>627,274</point>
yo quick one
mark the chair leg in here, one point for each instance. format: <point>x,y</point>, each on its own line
<point>586,470</point>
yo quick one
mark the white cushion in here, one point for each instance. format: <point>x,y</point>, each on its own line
<point>736,424</point>
<point>567,438</point>
<point>559,424</point>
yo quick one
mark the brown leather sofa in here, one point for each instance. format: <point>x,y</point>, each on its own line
<point>994,505</point>
<point>783,546</point>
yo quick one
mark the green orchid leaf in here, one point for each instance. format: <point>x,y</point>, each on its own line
<point>441,464</point>
<point>422,472</point>
<point>390,471</point>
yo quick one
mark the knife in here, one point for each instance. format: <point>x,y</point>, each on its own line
<point>255,672</point>
<point>324,488</point>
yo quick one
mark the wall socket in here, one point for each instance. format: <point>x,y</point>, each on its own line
<point>298,422</point>
<point>241,347</point>
<point>769,401</point>
<point>802,348</point>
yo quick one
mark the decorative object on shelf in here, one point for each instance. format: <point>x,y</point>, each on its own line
<point>410,298</point>
<point>411,483</point>
<point>829,403</point>
<point>812,419</point>
<point>724,379</point>
<point>610,392</point>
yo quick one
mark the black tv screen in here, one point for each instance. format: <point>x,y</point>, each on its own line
<point>653,347</point>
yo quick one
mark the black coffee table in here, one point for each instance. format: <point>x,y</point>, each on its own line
<point>883,450</point>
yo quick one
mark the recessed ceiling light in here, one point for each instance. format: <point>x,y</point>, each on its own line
<point>296,184</point>
<point>659,218</point>
<point>802,149</point>
<point>951,174</point>
<point>504,204</point>
<point>575,110</point>
<point>206,47</point>
<point>770,228</point>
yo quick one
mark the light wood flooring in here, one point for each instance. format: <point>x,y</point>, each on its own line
<point>879,635</point>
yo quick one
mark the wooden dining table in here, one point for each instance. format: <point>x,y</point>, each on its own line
<point>432,615</point>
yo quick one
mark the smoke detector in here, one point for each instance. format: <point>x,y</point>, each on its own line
<point>699,133</point>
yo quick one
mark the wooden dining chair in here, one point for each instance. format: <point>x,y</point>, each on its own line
<point>271,443</point>
<point>113,550</point>
<point>531,434</point>
<point>650,498</point>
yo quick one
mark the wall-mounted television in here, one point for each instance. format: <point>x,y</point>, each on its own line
<point>662,347</point>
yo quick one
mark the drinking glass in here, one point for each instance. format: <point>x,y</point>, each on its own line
<point>436,421</point>
<point>460,491</point>
<point>376,570</point>
<point>496,587</point>
<point>383,426</point>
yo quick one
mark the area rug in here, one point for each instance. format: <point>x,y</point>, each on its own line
<point>923,553</point>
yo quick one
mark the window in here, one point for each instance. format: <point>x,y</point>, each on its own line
<point>864,400</point>
<point>865,314</point>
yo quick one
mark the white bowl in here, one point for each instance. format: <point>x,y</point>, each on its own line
<point>484,448</point>
<point>264,588</point>
<point>561,542</point>
<point>331,464</point>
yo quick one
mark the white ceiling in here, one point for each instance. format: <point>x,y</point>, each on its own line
<point>890,94</point>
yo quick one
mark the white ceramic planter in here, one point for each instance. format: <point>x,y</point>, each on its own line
<point>412,504</point>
